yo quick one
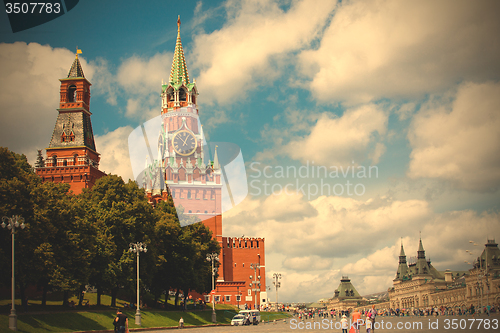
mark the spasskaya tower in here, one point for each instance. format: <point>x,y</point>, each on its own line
<point>184,170</point>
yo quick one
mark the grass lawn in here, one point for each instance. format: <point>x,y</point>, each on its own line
<point>270,316</point>
<point>103,320</point>
<point>56,318</point>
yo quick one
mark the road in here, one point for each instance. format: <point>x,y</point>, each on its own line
<point>384,324</point>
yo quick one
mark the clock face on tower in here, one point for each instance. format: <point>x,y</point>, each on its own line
<point>184,143</point>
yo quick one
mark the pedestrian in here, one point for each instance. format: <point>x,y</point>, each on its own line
<point>344,324</point>
<point>356,320</point>
<point>368,323</point>
<point>181,323</point>
<point>121,322</point>
<point>373,314</point>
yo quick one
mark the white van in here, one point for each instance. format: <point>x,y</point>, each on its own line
<point>253,316</point>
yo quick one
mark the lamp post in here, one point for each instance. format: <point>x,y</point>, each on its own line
<point>238,296</point>
<point>12,223</point>
<point>255,284</point>
<point>213,257</point>
<point>138,248</point>
<point>277,284</point>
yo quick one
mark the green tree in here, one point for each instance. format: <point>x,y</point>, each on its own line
<point>17,181</point>
<point>53,249</point>
<point>181,252</point>
<point>122,215</point>
<point>65,241</point>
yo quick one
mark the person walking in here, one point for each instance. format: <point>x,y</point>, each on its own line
<point>181,323</point>
<point>344,324</point>
<point>368,323</point>
<point>373,314</point>
<point>356,320</point>
<point>121,322</point>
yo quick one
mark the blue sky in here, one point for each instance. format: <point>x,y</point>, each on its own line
<point>410,88</point>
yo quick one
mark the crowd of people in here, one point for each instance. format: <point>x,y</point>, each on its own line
<point>441,311</point>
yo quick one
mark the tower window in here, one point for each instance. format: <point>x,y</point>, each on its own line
<point>170,95</point>
<point>72,93</point>
<point>182,95</point>
<point>189,195</point>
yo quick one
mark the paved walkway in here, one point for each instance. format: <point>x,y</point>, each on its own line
<point>385,324</point>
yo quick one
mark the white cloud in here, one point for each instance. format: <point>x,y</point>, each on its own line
<point>339,141</point>
<point>459,141</point>
<point>406,110</point>
<point>144,75</point>
<point>308,263</point>
<point>140,79</point>
<point>403,49</point>
<point>113,147</point>
<point>249,48</point>
<point>361,239</point>
<point>29,93</point>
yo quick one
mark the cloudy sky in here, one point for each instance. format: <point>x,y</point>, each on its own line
<point>361,123</point>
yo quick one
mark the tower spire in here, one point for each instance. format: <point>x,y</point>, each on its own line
<point>402,252</point>
<point>216,160</point>
<point>178,72</point>
<point>76,70</point>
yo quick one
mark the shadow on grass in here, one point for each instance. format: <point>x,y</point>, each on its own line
<point>58,322</point>
<point>103,320</point>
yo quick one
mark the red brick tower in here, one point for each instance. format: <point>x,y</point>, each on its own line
<point>71,156</point>
<point>196,183</point>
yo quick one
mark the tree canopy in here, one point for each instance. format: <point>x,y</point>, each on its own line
<point>75,240</point>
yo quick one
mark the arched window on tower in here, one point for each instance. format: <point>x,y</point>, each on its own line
<point>170,95</point>
<point>182,95</point>
<point>71,93</point>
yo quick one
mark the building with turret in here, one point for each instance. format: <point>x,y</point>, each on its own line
<point>188,170</point>
<point>72,156</point>
<point>419,285</point>
<point>345,297</point>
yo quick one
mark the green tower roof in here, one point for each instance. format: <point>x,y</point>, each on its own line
<point>346,290</point>
<point>178,73</point>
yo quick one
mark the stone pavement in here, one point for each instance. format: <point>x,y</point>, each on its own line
<point>385,324</point>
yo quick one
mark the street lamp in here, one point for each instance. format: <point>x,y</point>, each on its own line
<point>213,257</point>
<point>238,296</point>
<point>277,284</point>
<point>255,284</point>
<point>12,223</point>
<point>138,248</point>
